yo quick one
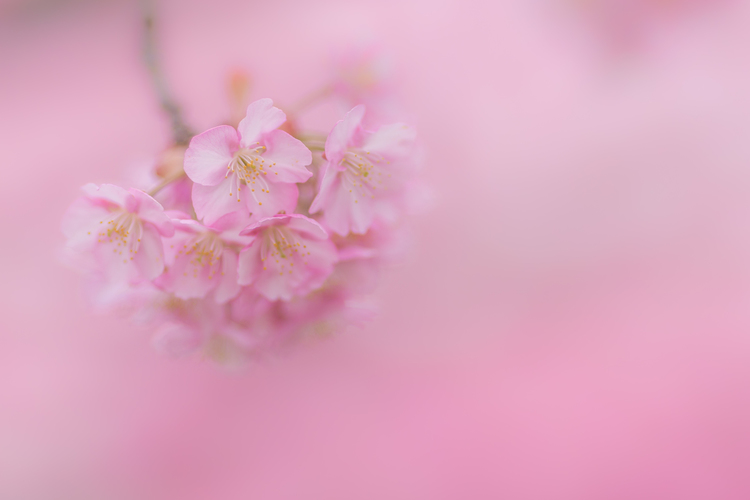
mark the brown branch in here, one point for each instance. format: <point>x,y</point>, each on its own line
<point>181,133</point>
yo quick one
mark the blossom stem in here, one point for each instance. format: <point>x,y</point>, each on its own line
<point>181,133</point>
<point>314,145</point>
<point>167,181</point>
<point>311,136</point>
<point>314,142</point>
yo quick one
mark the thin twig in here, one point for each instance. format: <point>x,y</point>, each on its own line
<point>166,182</point>
<point>313,141</point>
<point>181,133</point>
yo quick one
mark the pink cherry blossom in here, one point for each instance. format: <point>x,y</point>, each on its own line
<point>247,326</point>
<point>290,255</point>
<point>186,326</point>
<point>202,259</point>
<point>363,74</point>
<point>360,71</point>
<point>224,260</point>
<point>257,164</point>
<point>364,174</point>
<point>262,324</point>
<point>117,234</point>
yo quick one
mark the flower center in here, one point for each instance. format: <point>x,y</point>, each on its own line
<point>363,172</point>
<point>125,229</point>
<point>248,167</point>
<point>205,250</point>
<point>283,247</point>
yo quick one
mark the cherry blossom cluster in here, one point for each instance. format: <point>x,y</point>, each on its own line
<point>256,236</point>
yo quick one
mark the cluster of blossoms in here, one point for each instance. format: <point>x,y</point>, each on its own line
<point>255,237</point>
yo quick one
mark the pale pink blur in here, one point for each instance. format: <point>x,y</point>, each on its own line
<point>572,322</point>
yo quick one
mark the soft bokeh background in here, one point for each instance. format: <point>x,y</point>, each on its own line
<point>573,321</point>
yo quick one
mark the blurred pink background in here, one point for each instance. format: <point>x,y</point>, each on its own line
<point>571,323</point>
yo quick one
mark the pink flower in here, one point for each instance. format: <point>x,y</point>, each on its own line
<point>364,174</point>
<point>186,326</point>
<point>361,258</point>
<point>261,324</point>
<point>257,164</point>
<point>203,259</point>
<point>116,233</point>
<point>363,74</point>
<point>289,255</point>
<point>360,70</point>
<point>245,327</point>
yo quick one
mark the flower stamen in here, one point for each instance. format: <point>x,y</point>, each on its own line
<point>248,167</point>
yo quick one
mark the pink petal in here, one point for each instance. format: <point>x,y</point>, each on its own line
<point>149,259</point>
<point>81,222</point>
<point>342,215</point>
<point>361,214</point>
<point>187,278</point>
<point>172,246</point>
<point>176,196</point>
<point>275,220</point>
<point>177,215</point>
<point>249,264</point>
<point>299,273</point>
<point>234,220</point>
<point>115,266</point>
<point>256,227</point>
<point>286,158</point>
<point>108,192</point>
<point>213,202</point>
<point>330,180</point>
<point>343,133</point>
<point>228,287</point>
<point>209,154</point>
<point>395,141</point>
<point>151,211</point>
<point>309,272</point>
<point>320,261</point>
<point>260,119</point>
<point>274,286</point>
<point>280,198</point>
<point>307,227</point>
